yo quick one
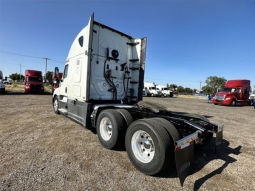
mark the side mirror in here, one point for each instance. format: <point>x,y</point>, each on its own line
<point>56,72</point>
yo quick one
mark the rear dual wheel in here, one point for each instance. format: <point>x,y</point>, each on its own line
<point>111,127</point>
<point>149,146</point>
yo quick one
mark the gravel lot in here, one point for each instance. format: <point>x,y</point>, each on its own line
<point>40,150</point>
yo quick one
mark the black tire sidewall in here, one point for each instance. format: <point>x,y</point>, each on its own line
<point>127,117</point>
<point>113,142</point>
<point>173,136</point>
<point>56,111</point>
<point>233,103</point>
<point>154,166</point>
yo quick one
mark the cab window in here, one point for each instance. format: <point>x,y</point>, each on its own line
<point>65,71</point>
<point>81,41</point>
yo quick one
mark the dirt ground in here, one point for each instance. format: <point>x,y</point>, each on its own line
<point>40,150</point>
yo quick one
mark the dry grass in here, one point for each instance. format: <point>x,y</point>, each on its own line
<point>15,87</point>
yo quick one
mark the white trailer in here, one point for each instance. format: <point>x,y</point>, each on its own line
<point>101,87</point>
<point>150,90</point>
<point>166,92</point>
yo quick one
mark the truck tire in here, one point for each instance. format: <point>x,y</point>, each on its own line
<point>169,127</point>
<point>127,116</point>
<point>233,103</point>
<point>174,136</point>
<point>148,146</point>
<point>56,105</point>
<point>110,129</point>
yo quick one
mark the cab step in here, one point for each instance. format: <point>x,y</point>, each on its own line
<point>63,111</point>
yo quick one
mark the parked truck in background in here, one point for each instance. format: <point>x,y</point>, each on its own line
<point>55,81</point>
<point>2,85</point>
<point>165,91</point>
<point>7,80</point>
<point>102,88</point>
<point>150,90</point>
<point>33,81</point>
<point>234,92</point>
<point>1,75</point>
<point>252,97</point>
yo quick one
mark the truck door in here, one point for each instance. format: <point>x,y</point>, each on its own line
<point>238,92</point>
<point>246,90</point>
<point>63,85</point>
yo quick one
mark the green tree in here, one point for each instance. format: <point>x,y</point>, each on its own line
<point>207,89</point>
<point>188,90</point>
<point>49,76</point>
<point>215,82</point>
<point>173,87</point>
<point>180,89</point>
<point>16,76</point>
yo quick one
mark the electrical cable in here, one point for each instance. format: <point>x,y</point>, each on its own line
<point>28,56</point>
<point>111,84</point>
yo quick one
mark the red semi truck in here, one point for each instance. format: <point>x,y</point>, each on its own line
<point>234,92</point>
<point>33,81</point>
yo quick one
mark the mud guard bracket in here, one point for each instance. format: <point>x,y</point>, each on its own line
<point>219,138</point>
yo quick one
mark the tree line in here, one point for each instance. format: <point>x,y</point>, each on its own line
<point>213,84</point>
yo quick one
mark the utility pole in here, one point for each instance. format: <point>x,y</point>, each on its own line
<point>200,86</point>
<point>46,59</point>
<point>20,74</point>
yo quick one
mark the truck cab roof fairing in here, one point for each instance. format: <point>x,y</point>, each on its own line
<point>77,48</point>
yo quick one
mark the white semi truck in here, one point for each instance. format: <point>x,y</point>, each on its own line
<point>102,86</point>
<point>252,97</point>
<point>165,91</point>
<point>150,90</point>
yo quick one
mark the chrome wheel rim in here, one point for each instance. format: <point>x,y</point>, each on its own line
<point>106,128</point>
<point>142,146</point>
<point>55,105</point>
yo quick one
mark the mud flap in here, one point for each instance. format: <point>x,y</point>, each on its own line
<point>184,156</point>
<point>219,139</point>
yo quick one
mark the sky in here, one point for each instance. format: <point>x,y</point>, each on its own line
<point>187,40</point>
